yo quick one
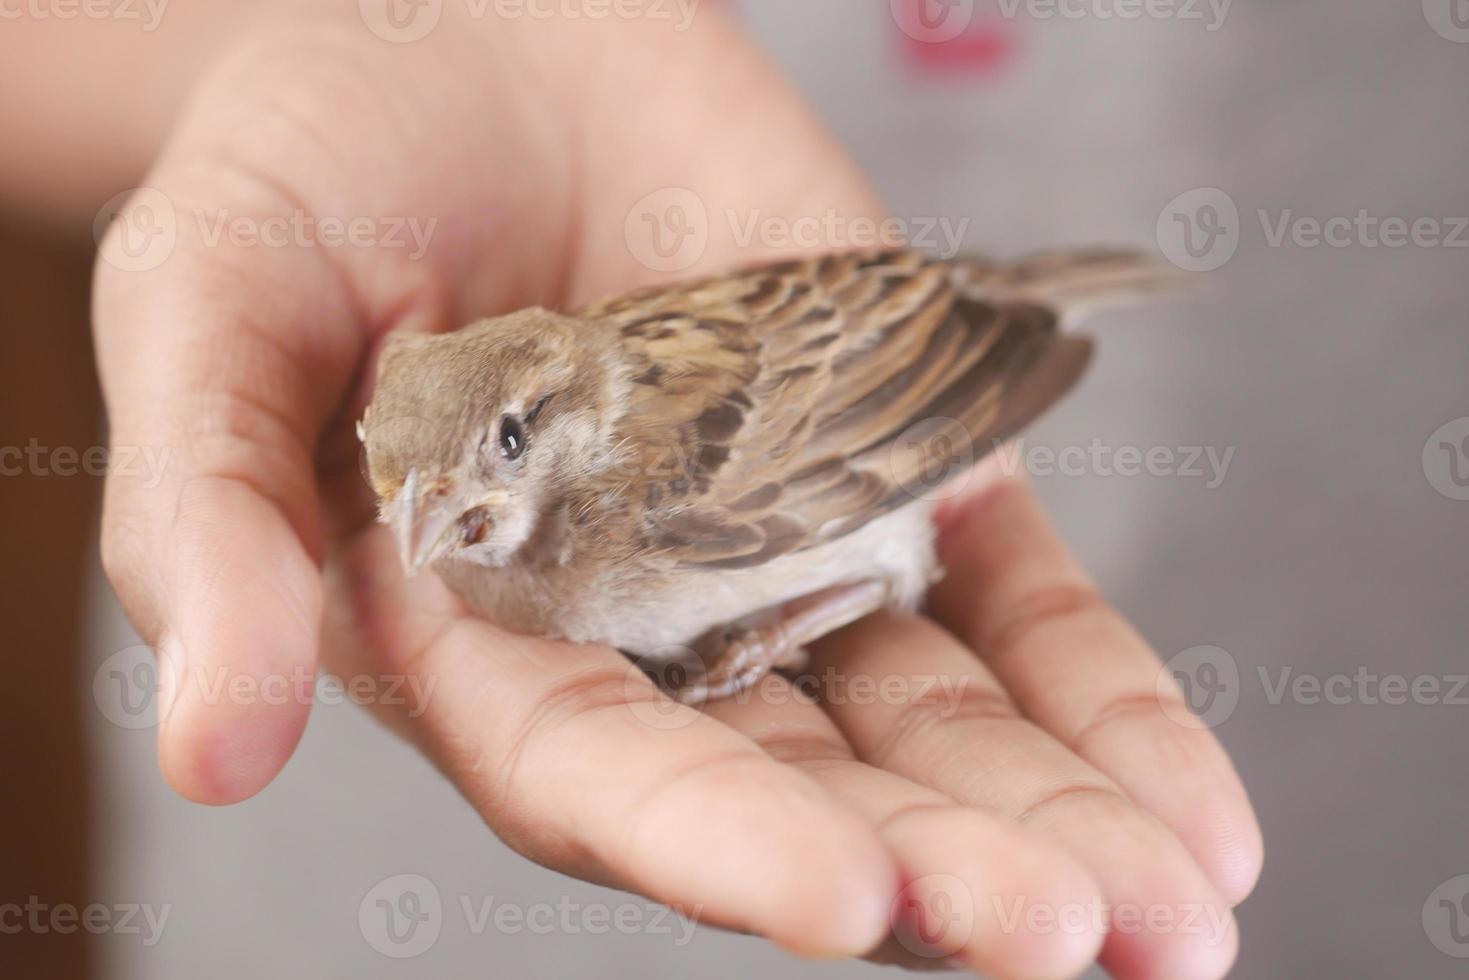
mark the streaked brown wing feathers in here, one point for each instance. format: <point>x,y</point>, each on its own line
<point>779,394</point>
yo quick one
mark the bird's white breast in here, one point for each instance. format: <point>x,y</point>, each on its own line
<point>655,612</point>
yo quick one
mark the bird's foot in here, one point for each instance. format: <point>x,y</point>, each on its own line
<point>738,657</point>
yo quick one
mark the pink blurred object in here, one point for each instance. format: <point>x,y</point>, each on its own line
<point>950,37</point>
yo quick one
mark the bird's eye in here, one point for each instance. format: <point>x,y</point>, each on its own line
<point>512,437</point>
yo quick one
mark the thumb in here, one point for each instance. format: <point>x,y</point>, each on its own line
<point>206,368</point>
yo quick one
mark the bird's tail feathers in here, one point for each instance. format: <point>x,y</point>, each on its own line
<point>1078,282</point>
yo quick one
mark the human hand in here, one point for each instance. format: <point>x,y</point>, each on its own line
<point>529,143</point>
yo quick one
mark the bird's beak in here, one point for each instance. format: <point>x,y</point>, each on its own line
<point>427,523</point>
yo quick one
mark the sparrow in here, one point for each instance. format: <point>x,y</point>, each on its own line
<point>718,472</point>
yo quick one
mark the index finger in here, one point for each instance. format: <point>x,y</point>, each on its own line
<point>1016,596</point>
<point>579,762</point>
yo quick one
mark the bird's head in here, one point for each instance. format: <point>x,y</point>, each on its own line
<point>472,435</point>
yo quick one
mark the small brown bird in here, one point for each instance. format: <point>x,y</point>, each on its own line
<point>728,468</point>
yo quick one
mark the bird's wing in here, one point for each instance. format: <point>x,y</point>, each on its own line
<point>790,404</point>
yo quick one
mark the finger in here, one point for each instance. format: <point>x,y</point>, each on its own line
<point>1165,918</point>
<point>1015,594</point>
<point>210,535</point>
<point>578,761</point>
<point>964,871</point>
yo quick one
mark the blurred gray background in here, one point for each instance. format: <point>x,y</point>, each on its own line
<point>1333,545</point>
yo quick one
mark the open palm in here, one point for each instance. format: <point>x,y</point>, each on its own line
<point>1003,776</point>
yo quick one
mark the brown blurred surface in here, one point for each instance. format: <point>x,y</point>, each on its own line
<point>47,394</point>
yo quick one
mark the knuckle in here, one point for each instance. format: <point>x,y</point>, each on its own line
<point>806,750</point>
<point>1062,604</point>
<point>1132,706</point>
<point>703,776</point>
<point>1073,793</point>
<point>573,698</point>
<point>915,728</point>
